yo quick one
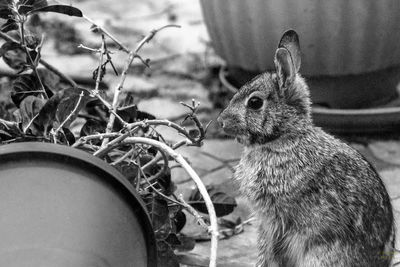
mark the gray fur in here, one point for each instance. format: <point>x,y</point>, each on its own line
<point>319,202</point>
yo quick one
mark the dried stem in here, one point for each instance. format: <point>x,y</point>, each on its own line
<point>132,55</point>
<point>85,139</point>
<point>8,124</point>
<point>109,146</point>
<point>202,189</point>
<point>31,61</point>
<point>161,171</point>
<point>104,31</point>
<point>123,157</point>
<point>147,180</point>
<point>194,212</point>
<point>69,116</point>
<point>109,107</point>
<point>99,69</point>
<point>177,127</point>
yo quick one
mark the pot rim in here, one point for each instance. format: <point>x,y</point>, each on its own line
<point>108,173</point>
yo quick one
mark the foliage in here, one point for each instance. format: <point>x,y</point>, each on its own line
<point>45,103</point>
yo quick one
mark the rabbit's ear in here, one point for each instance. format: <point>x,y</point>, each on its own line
<point>290,41</point>
<point>285,67</point>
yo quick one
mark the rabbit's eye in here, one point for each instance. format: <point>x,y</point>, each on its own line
<point>255,103</point>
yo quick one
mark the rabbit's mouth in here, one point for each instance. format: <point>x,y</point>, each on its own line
<point>241,139</point>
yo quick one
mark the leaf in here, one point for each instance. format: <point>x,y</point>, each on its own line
<point>9,131</point>
<point>93,127</point>
<point>63,9</point>
<point>223,203</point>
<point>13,55</point>
<point>5,11</point>
<point>130,171</point>
<point>128,114</point>
<point>32,41</point>
<point>29,5</point>
<point>67,137</point>
<point>166,255</point>
<point>47,115</point>
<point>180,220</point>
<point>69,106</point>
<point>25,85</point>
<point>194,133</point>
<point>180,242</point>
<point>10,25</point>
<point>49,78</point>
<point>141,115</point>
<point>158,210</point>
<point>29,109</point>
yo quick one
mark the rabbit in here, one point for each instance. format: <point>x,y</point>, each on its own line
<point>318,201</point>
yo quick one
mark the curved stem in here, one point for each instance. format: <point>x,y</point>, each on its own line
<point>202,189</point>
<point>132,55</point>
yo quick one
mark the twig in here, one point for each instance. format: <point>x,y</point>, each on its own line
<point>70,115</point>
<point>123,157</point>
<point>30,123</point>
<point>109,107</point>
<point>131,57</point>
<point>147,180</point>
<point>104,31</point>
<point>8,124</point>
<point>31,61</point>
<point>161,171</point>
<point>99,70</point>
<point>85,139</point>
<point>109,146</point>
<point>194,212</point>
<point>202,189</point>
<point>89,48</point>
<point>158,157</point>
<point>177,127</point>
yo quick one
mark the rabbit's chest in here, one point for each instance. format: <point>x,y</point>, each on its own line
<point>262,175</point>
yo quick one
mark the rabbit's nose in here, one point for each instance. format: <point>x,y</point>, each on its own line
<point>220,120</point>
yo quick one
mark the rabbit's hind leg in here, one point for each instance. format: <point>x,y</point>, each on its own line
<point>342,255</point>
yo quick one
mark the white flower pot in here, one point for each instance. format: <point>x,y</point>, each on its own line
<point>337,37</point>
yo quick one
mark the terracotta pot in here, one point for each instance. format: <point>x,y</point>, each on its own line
<point>63,207</point>
<point>339,39</point>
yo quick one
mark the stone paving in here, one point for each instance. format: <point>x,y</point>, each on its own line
<point>181,71</point>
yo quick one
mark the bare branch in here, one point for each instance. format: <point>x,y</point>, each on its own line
<point>70,115</point>
<point>131,57</point>
<point>104,31</point>
<point>99,69</point>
